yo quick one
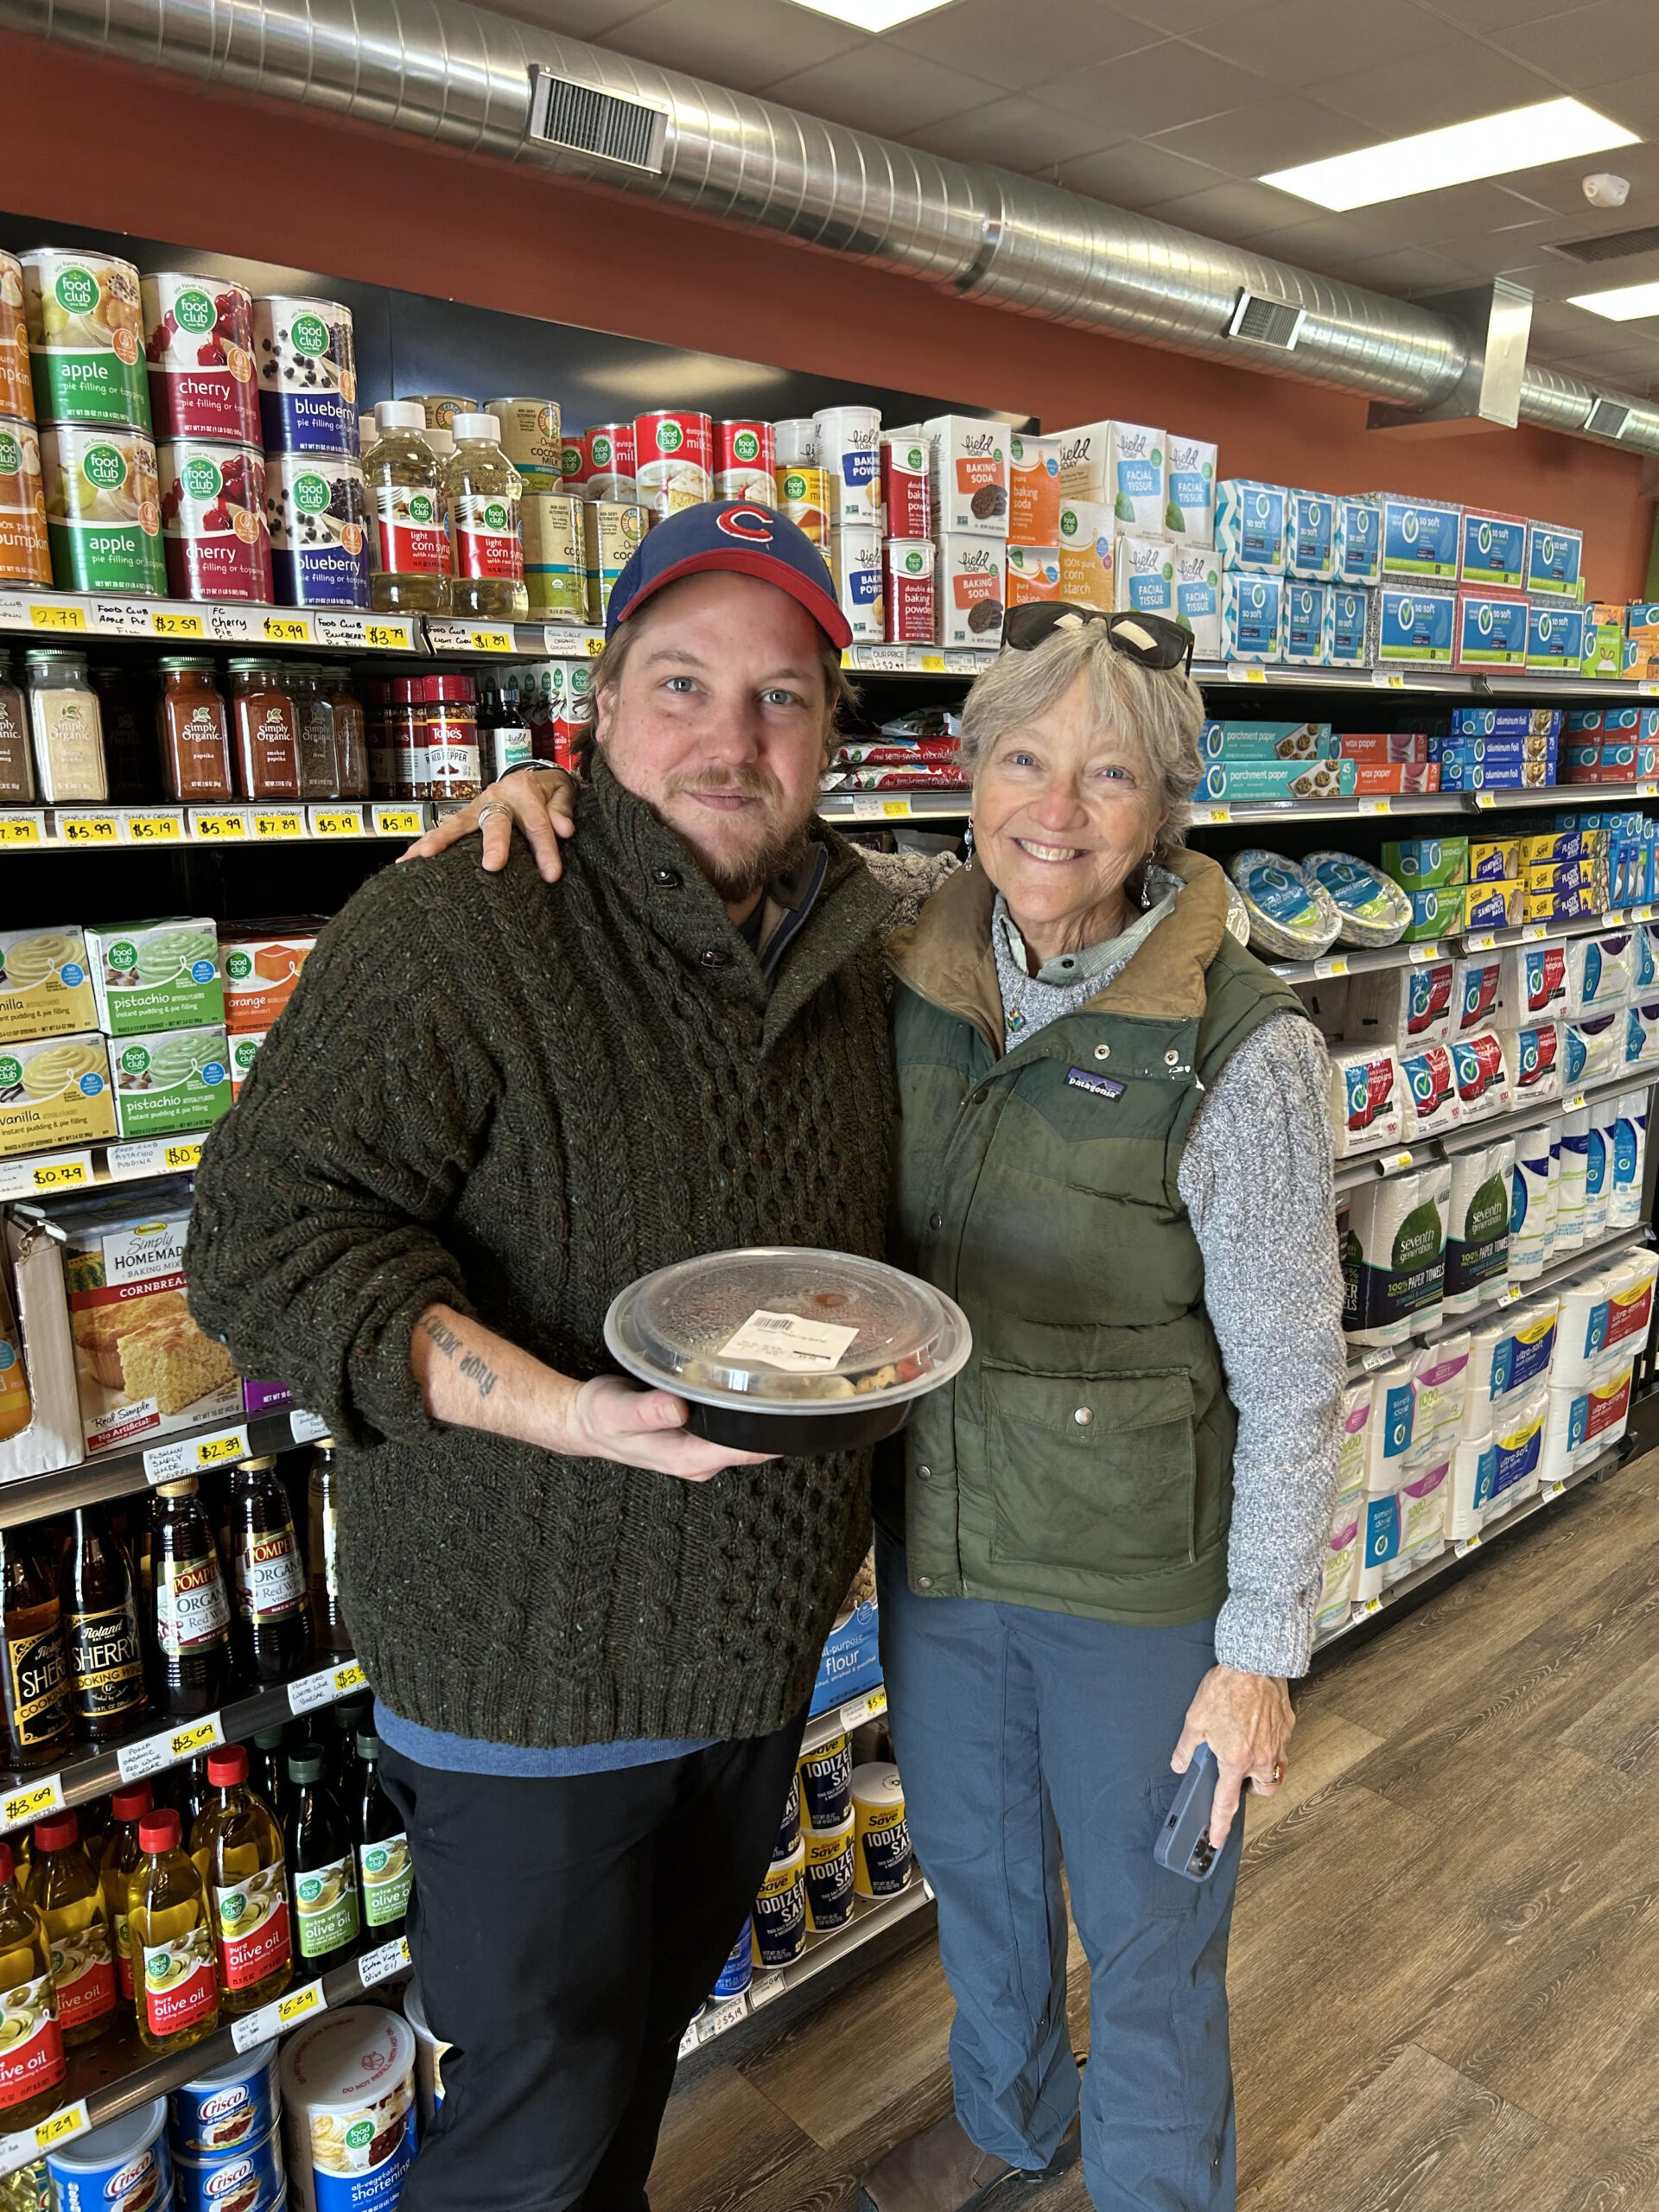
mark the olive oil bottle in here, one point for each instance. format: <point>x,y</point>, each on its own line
<point>237,1842</point>
<point>120,1861</point>
<point>66,1892</point>
<point>176,1998</point>
<point>32,2064</point>
<point>323,1859</point>
<point>385,1876</point>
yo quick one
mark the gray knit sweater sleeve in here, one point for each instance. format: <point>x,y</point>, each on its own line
<point>1256,1180</point>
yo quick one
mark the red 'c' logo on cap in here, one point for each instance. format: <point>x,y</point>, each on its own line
<point>746,522</point>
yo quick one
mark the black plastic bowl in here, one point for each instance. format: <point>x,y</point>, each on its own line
<point>797,1436</point>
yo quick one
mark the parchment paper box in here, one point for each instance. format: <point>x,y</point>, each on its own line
<point>53,1092</point>
<point>46,989</point>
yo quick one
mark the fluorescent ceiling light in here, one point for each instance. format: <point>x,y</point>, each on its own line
<point>1492,145</point>
<point>1624,303</point>
<point>874,15</point>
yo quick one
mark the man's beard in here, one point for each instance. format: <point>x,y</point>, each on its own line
<point>739,876</point>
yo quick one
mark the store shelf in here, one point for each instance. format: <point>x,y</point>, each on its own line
<point>1362,961</point>
<point>895,806</point>
<point>840,1720</point>
<point>1216,814</point>
<point>1355,1168</point>
<point>512,640</point>
<point>1446,682</point>
<point>163,828</point>
<point>60,617</point>
<point>117,1474</point>
<point>872,1917</point>
<point>1454,1554</point>
<point>116,2075</point>
<point>49,1174</point>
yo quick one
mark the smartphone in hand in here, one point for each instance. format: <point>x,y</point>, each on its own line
<point>1184,1844</point>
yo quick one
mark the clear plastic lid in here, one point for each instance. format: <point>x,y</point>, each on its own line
<point>803,1330</point>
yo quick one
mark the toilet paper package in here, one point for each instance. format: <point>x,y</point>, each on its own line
<point>1367,1095</point>
<point>1598,1155</point>
<point>1592,1047</point>
<point>1339,1564</point>
<point>1422,1515</point>
<point>1394,1256</point>
<point>1474,993</point>
<point>1532,986</point>
<point>1440,1388</point>
<point>1587,1419</point>
<point>1518,1441</point>
<point>1401,1005</point>
<point>1532,1061</point>
<point>1482,1079</point>
<point>1381,1545</point>
<point>1355,1435</point>
<point>1521,1359</point>
<point>1629,1160</point>
<point>1394,1407</point>
<point>1532,1193</point>
<point>1429,1091</point>
<point>1600,972</point>
<point>1608,1313</point>
<point>1477,1231</point>
<point>1570,1191</point>
<point>1641,1033</point>
<point>1474,1468</point>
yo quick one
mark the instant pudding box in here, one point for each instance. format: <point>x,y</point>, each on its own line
<point>143,1368</point>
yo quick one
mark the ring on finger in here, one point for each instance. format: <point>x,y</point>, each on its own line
<point>495,806</point>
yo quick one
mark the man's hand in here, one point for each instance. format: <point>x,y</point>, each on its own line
<point>614,1420</point>
<point>1246,1720</point>
<point>540,801</point>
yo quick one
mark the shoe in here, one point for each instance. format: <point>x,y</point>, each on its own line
<point>941,2171</point>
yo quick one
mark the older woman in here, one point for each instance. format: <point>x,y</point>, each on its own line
<point>1101,1546</point>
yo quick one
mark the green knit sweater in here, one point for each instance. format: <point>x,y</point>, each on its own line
<point>517,1099</point>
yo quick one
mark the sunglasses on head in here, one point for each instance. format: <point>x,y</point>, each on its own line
<point>1151,639</point>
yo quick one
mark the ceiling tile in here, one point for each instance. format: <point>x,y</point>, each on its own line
<point>1234,212</point>
<point>1173,18</point>
<point>1357,236</point>
<point>1135,173</point>
<point>881,89</point>
<point>1594,45</point>
<point>1630,100</point>
<point>1412,269</point>
<point>1496,15</point>
<point>1451,83</point>
<point>1018,47</point>
<point>592,19</point>
<point>1155,89</point>
<point>1269,134</point>
<point>1299,42</point>
<point>742,43</point>
<point>1015,132</point>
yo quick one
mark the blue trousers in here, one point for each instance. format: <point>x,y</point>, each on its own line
<point>1023,1736</point>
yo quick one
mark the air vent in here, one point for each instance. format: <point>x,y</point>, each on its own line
<point>1612,246</point>
<point>586,122</point>
<point>1606,419</point>
<point>1267,322</point>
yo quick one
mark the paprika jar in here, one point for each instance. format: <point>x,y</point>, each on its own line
<point>267,731</point>
<point>351,734</point>
<point>195,733</point>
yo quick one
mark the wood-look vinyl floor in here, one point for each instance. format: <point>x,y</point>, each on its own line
<point>1446,1961</point>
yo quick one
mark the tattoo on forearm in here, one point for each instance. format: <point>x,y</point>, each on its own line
<point>445,1337</point>
<point>475,1366</point>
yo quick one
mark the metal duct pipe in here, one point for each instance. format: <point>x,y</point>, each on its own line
<point>445,70</point>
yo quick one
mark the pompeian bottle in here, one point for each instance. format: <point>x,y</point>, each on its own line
<point>66,1892</point>
<point>237,1843</point>
<point>100,1621</point>
<point>322,1517</point>
<point>190,1620</point>
<point>322,1865</point>
<point>36,1688</point>
<point>272,1633</point>
<point>177,1994</point>
<point>31,2043</point>
<point>385,1876</point>
<point>120,1862</point>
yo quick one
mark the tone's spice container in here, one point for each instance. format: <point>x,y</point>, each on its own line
<point>25,552</point>
<point>16,386</point>
<point>104,509</point>
<point>85,338</point>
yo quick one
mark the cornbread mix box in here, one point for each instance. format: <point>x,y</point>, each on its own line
<point>261,963</point>
<point>143,1368</point>
<point>171,1081</point>
<point>54,1091</point>
<point>156,974</point>
<point>45,987</point>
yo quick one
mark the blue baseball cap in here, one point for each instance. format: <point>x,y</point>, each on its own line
<point>749,540</point>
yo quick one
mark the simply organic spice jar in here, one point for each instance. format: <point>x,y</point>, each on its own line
<point>194,731</point>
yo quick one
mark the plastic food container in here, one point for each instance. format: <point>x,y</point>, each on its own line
<point>348,2101</point>
<point>430,2054</point>
<point>237,2103</point>
<point>781,1348</point>
<point>122,2168</point>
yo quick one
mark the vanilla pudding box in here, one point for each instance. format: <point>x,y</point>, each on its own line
<point>46,988</point>
<point>54,1091</point>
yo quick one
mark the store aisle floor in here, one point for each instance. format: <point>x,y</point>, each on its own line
<point>1447,1935</point>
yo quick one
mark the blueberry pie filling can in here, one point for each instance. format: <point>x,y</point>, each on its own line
<point>318,512</point>
<point>305,359</point>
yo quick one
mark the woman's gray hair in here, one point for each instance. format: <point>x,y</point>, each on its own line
<point>1163,707</point>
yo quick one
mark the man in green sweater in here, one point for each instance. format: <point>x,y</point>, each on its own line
<point>492,1103</point>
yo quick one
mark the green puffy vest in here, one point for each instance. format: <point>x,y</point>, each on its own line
<point>1082,1458</point>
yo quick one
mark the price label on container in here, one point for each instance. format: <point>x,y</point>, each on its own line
<point>1394,1163</point>
<point>159,1156</point>
<point>22,830</point>
<point>381,1966</point>
<point>153,829</point>
<point>168,625</point>
<point>68,1171</point>
<point>190,1455</point>
<point>47,617</point>
<point>273,2020</point>
<point>287,630</point>
<point>1324,967</point>
<point>32,1801</point>
<point>279,823</point>
<point>1572,1105</point>
<point>307,1429</point>
<point>1368,1609</point>
<point>31,2143</point>
<point>1648,691</point>
<point>1378,1355</point>
<point>398,821</point>
<point>336,821</point>
<point>87,828</point>
<point>154,1754</point>
<point>218,827</point>
<point>1513,1292</point>
<point>689,2041</point>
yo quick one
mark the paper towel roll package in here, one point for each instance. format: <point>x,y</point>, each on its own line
<point>1367,1094</point>
<point>1640,1032</point>
<point>1393,1405</point>
<point>1575,1174</point>
<point>1477,1224</point>
<point>1355,1435</point>
<point>1527,1347</point>
<point>1340,1563</point>
<point>1474,993</point>
<point>1532,1194</point>
<point>1478,1399</point>
<point>1629,1156</point>
<point>1600,972</point>
<point>1400,1006</point>
<point>1518,1436</point>
<point>1440,1383</point>
<point>1533,985</point>
<point>1593,1046</point>
<point>1597,1165</point>
<point>1381,1544</point>
<point>1394,1254</point>
<point>1474,1468</point>
<point>1429,1091</point>
<point>1482,1079</point>
<point>1532,1060</point>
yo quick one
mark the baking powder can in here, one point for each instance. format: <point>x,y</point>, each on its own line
<point>856,563</point>
<point>674,454</point>
<point>909,606</point>
<point>744,461</point>
<point>849,453</point>
<point>906,497</point>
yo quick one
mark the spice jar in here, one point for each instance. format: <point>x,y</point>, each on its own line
<point>319,764</point>
<point>377,713</point>
<point>351,733</point>
<point>450,732</point>
<point>127,708</point>
<point>267,731</point>
<point>406,721</point>
<point>195,734</point>
<point>16,772</point>
<point>67,727</point>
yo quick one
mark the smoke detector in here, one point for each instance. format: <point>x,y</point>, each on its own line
<point>1604,189</point>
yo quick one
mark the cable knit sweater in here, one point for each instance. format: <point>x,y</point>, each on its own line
<point>515,1099</point>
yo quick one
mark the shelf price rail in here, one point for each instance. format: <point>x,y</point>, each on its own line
<point>1358,1167</point>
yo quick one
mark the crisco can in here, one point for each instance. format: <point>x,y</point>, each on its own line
<point>905,490</point>
<point>16,387</point>
<point>305,358</point>
<point>198,356</point>
<point>530,440</point>
<point>804,497</point>
<point>555,576</point>
<point>246,2179</point>
<point>213,527</point>
<point>25,554</point>
<point>910,591</point>
<point>103,509</point>
<point>234,2104</point>
<point>744,461</point>
<point>123,2166</point>
<point>610,453</point>
<point>611,532</point>
<point>674,461</point>
<point>318,516</point>
<point>85,338</point>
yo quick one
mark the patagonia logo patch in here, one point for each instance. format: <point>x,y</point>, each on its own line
<point>1098,1086</point>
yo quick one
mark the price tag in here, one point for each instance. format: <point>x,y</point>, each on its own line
<point>1648,691</point>
<point>21,829</point>
<point>336,821</point>
<point>168,625</point>
<point>68,1171</point>
<point>386,637</point>
<point>153,829</point>
<point>1212,814</point>
<point>160,1156</point>
<point>1572,1105</point>
<point>349,1676</point>
<point>1468,1544</point>
<point>764,1988</point>
<point>381,1966</point>
<point>1485,798</point>
<point>32,1801</point>
<point>50,617</point>
<point>1369,1606</point>
<point>889,660</point>
<point>87,828</point>
<point>491,641</point>
<point>1531,932</point>
<point>725,2016</point>
<point>30,2143</point>
<point>1379,1356</point>
<point>307,1429</point>
<point>1388,679</point>
<point>282,823</point>
<point>1416,954</point>
<point>1551,1490</point>
<point>323,1687</point>
<point>932,663</point>
<point>689,2040</point>
<point>1485,943</point>
<point>596,644</point>
<point>1394,1163</point>
<point>858,1710</point>
<point>190,1741</point>
<point>217,827</point>
<point>398,821</point>
<point>287,630</point>
<point>896,809</point>
<point>1374,806</point>
<point>1513,1294</point>
<point>188,1455</point>
<point>1324,967</point>
<point>272,2020</point>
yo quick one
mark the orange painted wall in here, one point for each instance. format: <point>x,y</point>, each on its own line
<point>168,158</point>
